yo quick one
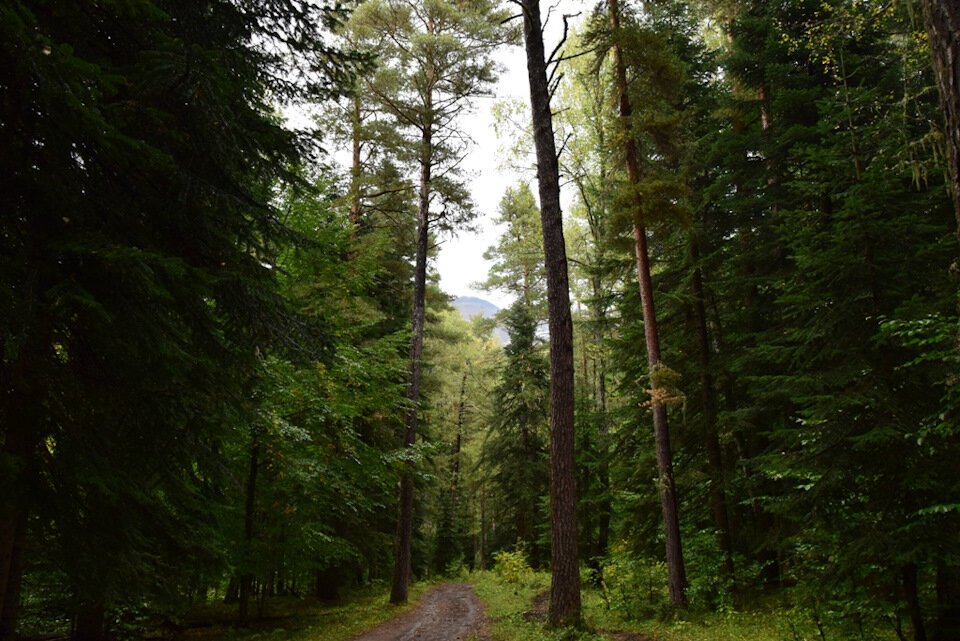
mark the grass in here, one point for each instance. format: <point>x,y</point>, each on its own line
<point>357,611</point>
<point>507,602</point>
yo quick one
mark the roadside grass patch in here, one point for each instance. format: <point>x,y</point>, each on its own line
<point>357,611</point>
<point>509,604</point>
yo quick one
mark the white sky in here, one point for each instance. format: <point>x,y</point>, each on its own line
<point>460,261</point>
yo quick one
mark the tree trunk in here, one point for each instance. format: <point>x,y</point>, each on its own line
<point>89,623</point>
<point>668,496</point>
<point>603,429</point>
<point>13,521</point>
<point>10,604</point>
<point>718,497</point>
<point>943,27</point>
<point>911,597</point>
<point>355,169</point>
<point>403,560</point>
<point>233,591</point>
<point>947,626</point>
<point>246,579</point>
<point>456,452</point>
<point>483,528</point>
<point>565,571</point>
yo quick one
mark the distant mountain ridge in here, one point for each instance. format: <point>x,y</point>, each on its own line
<point>470,306</point>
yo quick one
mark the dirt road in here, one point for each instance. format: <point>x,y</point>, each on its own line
<point>448,612</point>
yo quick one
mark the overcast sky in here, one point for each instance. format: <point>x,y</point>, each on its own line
<point>460,261</point>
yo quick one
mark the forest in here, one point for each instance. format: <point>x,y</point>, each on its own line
<point>233,394</point>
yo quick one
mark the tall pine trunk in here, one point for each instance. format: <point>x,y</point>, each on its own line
<point>668,494</point>
<point>943,27</point>
<point>403,559</point>
<point>565,570</point>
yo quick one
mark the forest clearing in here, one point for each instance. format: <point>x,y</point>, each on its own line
<point>717,396</point>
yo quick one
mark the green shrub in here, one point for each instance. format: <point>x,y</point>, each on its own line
<point>457,570</point>
<point>512,566</point>
<point>634,586</point>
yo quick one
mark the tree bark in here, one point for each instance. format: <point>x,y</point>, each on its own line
<point>456,452</point>
<point>483,528</point>
<point>355,168</point>
<point>943,26</point>
<point>246,579</point>
<point>947,625</point>
<point>603,428</point>
<point>403,559</point>
<point>89,623</point>
<point>13,521</point>
<point>912,599</point>
<point>565,571</point>
<point>10,604</point>
<point>718,497</point>
<point>668,497</point>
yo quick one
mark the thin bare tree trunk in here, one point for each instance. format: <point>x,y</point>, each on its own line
<point>483,527</point>
<point>603,427</point>
<point>355,168</point>
<point>565,570</point>
<point>668,496</point>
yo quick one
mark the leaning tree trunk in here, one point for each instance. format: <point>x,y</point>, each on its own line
<point>668,495</point>
<point>943,26</point>
<point>402,569</point>
<point>565,571</point>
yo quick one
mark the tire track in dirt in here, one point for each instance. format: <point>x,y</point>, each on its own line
<point>448,612</point>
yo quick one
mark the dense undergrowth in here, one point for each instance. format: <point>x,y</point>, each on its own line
<point>615,610</point>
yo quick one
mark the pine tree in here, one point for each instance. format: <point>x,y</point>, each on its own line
<point>436,58</point>
<point>140,147</point>
<point>565,571</point>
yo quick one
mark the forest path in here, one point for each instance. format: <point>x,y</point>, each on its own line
<point>448,612</point>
